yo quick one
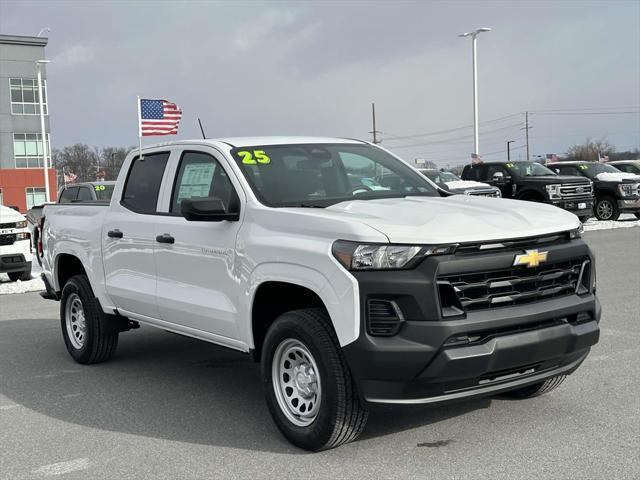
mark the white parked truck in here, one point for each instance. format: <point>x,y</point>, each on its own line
<point>347,295</point>
<point>15,245</point>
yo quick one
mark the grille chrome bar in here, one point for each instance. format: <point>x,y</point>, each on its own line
<point>573,190</point>
<point>517,285</point>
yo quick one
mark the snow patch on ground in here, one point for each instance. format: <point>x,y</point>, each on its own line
<point>33,285</point>
<point>625,221</point>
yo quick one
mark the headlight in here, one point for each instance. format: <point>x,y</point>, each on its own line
<point>356,256</point>
<point>628,189</point>
<point>21,224</point>
<point>577,233</point>
<point>554,191</point>
<point>22,236</point>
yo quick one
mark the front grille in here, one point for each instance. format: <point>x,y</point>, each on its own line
<point>576,190</point>
<point>7,239</point>
<point>383,317</point>
<point>8,225</point>
<point>485,193</point>
<point>517,285</point>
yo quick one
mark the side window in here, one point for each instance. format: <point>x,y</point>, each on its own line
<point>491,169</point>
<point>568,171</point>
<point>624,168</point>
<point>474,172</point>
<point>84,195</point>
<point>143,183</point>
<point>68,195</point>
<point>200,176</point>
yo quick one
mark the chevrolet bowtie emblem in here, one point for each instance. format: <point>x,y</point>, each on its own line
<point>531,258</point>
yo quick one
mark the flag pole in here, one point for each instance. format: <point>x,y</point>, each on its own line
<point>139,129</point>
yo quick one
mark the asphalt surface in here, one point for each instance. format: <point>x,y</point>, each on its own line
<point>171,407</point>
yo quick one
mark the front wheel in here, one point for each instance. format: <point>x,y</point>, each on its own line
<point>584,218</point>
<point>537,388</point>
<point>22,276</point>
<point>89,334</point>
<point>607,209</point>
<point>308,385</point>
<point>637,215</point>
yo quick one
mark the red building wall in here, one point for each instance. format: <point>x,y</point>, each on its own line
<point>14,181</point>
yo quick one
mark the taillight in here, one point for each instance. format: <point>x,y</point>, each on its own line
<point>38,231</point>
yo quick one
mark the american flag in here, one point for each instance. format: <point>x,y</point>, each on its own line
<point>476,159</point>
<point>159,117</point>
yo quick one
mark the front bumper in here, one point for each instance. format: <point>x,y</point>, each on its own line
<point>629,206</point>
<point>574,205</point>
<point>16,257</point>
<point>516,345</point>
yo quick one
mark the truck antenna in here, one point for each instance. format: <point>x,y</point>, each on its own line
<point>204,137</point>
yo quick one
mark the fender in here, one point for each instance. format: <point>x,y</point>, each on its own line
<point>339,293</point>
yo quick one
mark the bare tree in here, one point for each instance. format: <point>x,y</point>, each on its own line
<point>589,150</point>
<point>111,159</point>
<point>79,159</point>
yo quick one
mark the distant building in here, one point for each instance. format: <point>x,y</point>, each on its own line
<point>21,153</point>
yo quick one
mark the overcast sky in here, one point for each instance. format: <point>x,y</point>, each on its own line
<point>313,68</point>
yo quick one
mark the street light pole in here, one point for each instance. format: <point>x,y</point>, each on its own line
<point>509,149</point>
<point>474,56</point>
<point>43,131</point>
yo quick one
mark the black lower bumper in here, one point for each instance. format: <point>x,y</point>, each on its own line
<point>629,206</point>
<point>14,263</point>
<point>480,353</point>
<point>573,206</point>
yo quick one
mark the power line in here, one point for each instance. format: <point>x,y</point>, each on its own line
<point>579,114</point>
<point>440,132</point>
<point>453,140</point>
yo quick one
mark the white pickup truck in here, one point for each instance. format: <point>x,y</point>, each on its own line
<point>15,245</point>
<point>348,296</point>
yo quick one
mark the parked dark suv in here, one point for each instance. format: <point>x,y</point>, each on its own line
<point>536,183</point>
<point>616,192</point>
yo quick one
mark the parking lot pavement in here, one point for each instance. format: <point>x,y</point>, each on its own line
<point>170,407</point>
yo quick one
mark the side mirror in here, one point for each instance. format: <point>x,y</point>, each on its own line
<point>499,179</point>
<point>206,209</point>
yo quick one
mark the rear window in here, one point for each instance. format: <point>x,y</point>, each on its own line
<point>104,192</point>
<point>68,195</point>
<point>143,182</point>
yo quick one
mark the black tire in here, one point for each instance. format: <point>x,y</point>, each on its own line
<point>637,215</point>
<point>607,208</point>
<point>22,276</point>
<point>100,335</point>
<point>584,218</point>
<point>341,415</point>
<point>537,388</point>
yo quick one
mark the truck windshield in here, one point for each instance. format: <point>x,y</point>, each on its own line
<point>320,175</point>
<point>528,169</point>
<point>591,169</point>
<point>439,176</point>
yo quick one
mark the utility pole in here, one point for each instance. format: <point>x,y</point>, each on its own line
<point>374,132</point>
<point>526,129</point>
<point>509,149</point>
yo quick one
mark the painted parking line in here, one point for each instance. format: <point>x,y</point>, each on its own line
<point>60,468</point>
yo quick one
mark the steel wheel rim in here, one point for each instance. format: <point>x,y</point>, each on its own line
<point>296,382</point>
<point>75,321</point>
<point>605,210</point>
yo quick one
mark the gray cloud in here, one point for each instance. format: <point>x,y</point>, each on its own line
<point>314,67</point>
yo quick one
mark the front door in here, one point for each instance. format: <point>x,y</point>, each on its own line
<point>128,239</point>
<point>197,284</point>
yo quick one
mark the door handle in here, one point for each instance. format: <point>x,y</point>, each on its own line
<point>165,238</point>
<point>115,233</point>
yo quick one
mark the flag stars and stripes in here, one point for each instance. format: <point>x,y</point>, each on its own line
<point>159,117</point>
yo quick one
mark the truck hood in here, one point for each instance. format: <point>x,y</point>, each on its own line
<point>555,179</point>
<point>9,215</point>
<point>465,184</point>
<point>456,219</point>
<point>618,177</point>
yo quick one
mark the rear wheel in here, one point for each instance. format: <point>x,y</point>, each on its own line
<point>308,386</point>
<point>584,218</point>
<point>22,276</point>
<point>637,215</point>
<point>607,209</point>
<point>537,388</point>
<point>89,334</point>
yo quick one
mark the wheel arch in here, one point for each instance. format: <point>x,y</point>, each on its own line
<point>277,288</point>
<point>67,265</point>
<point>531,194</point>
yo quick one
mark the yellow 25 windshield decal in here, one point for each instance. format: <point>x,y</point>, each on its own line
<point>254,157</point>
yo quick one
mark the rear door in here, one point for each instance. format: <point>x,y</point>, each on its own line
<point>197,282</point>
<point>128,238</point>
